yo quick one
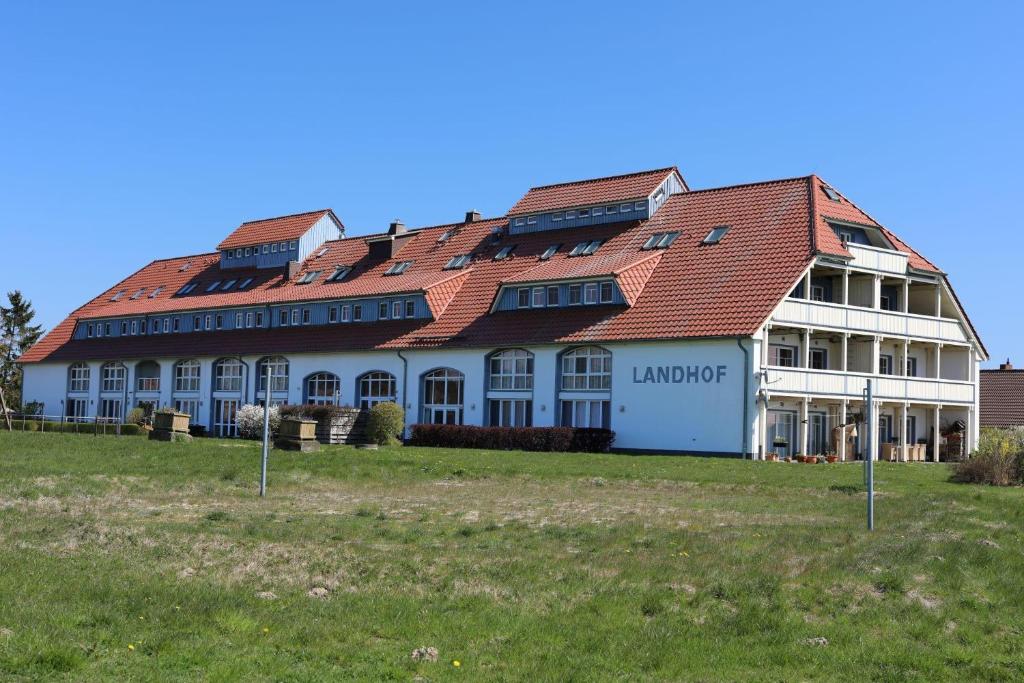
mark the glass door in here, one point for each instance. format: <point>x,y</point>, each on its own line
<point>224,410</point>
<point>781,433</point>
<point>818,434</point>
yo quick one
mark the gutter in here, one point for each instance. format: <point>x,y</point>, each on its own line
<point>405,379</point>
<point>746,396</point>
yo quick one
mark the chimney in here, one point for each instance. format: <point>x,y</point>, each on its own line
<point>472,216</point>
<point>397,227</point>
<point>291,270</point>
<point>1006,366</point>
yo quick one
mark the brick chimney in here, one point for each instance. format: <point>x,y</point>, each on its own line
<point>472,216</point>
<point>291,270</point>
<point>1006,366</point>
<point>397,227</point>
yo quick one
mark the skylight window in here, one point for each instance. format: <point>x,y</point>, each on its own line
<point>213,285</point>
<point>228,285</point>
<point>504,252</point>
<point>186,288</point>
<point>549,252</point>
<point>309,277</point>
<point>322,252</point>
<point>660,240</point>
<point>137,294</point>
<point>339,274</point>
<point>398,268</point>
<point>185,266</point>
<point>457,262</point>
<point>585,248</point>
<point>444,236</point>
<point>245,283</point>
<point>117,296</point>
<point>156,291</point>
<point>830,193</point>
<point>716,234</point>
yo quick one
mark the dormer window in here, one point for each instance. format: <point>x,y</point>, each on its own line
<point>273,248</point>
<point>585,248</point>
<point>584,213</point>
<point>640,206</point>
<point>293,245</point>
<point>398,268</point>
<point>660,240</point>
<point>339,274</point>
<point>569,215</point>
<point>238,253</point>
<point>659,194</point>
<point>227,254</point>
<point>504,252</point>
<point>456,262</point>
<point>248,251</point>
<point>213,285</point>
<point>831,194</point>
<point>308,277</point>
<point>623,208</point>
<point>557,216</point>
<point>611,209</point>
<point>716,234</point>
<point>266,248</point>
<point>549,252</point>
<point>531,220</point>
<point>520,221</point>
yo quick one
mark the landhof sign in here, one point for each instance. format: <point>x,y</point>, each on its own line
<point>679,374</point>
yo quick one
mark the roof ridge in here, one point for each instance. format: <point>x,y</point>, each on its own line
<point>289,215</point>
<point>751,184</point>
<point>610,177</point>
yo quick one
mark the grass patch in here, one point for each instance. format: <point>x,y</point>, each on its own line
<point>141,560</point>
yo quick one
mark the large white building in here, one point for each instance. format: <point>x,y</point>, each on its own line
<point>733,320</point>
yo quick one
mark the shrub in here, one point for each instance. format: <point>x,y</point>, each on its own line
<point>998,460</point>
<point>136,416</point>
<point>510,438</point>
<point>385,423</point>
<point>250,421</point>
<point>313,412</point>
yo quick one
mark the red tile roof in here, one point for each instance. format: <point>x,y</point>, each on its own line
<point>1002,398</point>
<point>589,192</point>
<point>274,229</point>
<point>690,290</point>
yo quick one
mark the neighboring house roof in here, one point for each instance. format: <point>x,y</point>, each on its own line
<point>589,192</point>
<point>275,229</point>
<point>690,290</point>
<point>1002,398</point>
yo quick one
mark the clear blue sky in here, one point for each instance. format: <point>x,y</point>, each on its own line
<point>134,131</point>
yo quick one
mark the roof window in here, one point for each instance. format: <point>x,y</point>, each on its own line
<point>585,248</point>
<point>185,266</point>
<point>117,296</point>
<point>444,237</point>
<point>245,283</point>
<point>398,268</point>
<point>830,193</point>
<point>213,285</point>
<point>504,252</point>
<point>339,274</point>
<point>156,291</point>
<point>660,240</point>
<point>137,294</point>
<point>308,277</point>
<point>322,252</point>
<point>549,252</point>
<point>228,285</point>
<point>457,262</point>
<point>716,234</point>
<point>186,288</point>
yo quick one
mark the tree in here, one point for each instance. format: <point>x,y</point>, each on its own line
<point>17,335</point>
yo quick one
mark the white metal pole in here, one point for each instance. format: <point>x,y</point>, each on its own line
<point>266,432</point>
<point>870,461</point>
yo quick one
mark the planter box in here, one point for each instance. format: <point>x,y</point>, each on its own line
<point>297,429</point>
<point>171,422</point>
<point>890,452</point>
<point>348,427</point>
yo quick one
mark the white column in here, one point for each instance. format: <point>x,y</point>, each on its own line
<point>807,285</point>
<point>970,433</point>
<point>938,301</point>
<point>936,433</point>
<point>905,307</point>
<point>938,361</point>
<point>903,432</point>
<point>876,351</point>
<point>842,433</point>
<point>764,347</point>
<point>805,352</point>
<point>762,429</point>
<point>906,357</point>
<point>844,363</point>
<point>876,292</point>
<point>804,417</point>
<point>846,288</point>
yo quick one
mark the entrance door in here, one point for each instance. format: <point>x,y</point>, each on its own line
<point>818,434</point>
<point>781,432</point>
<point>224,410</point>
<point>911,429</point>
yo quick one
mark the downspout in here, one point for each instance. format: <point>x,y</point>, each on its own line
<point>405,380</point>
<point>746,396</point>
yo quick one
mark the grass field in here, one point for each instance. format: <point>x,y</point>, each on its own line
<point>133,560</point>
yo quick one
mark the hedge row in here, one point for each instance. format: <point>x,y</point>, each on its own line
<point>73,427</point>
<point>513,438</point>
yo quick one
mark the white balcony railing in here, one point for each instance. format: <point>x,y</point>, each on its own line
<point>880,260</point>
<point>868,320</point>
<point>853,384</point>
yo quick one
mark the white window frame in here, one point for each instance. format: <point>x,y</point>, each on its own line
<point>345,313</point>
<point>187,375</point>
<point>552,300</point>
<point>586,368</point>
<point>396,310</point>
<point>590,293</point>
<point>537,299</point>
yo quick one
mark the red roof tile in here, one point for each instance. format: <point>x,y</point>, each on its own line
<point>274,229</point>
<point>1002,398</point>
<point>589,192</point>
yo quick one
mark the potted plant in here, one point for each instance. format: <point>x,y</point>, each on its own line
<point>772,457</point>
<point>170,420</point>
<point>299,428</point>
<point>831,457</point>
<point>811,459</point>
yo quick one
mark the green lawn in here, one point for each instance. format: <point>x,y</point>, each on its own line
<point>134,560</point>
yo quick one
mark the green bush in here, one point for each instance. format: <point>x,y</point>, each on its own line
<point>385,423</point>
<point>998,460</point>
<point>76,428</point>
<point>136,416</point>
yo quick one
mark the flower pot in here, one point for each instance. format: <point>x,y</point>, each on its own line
<point>171,422</point>
<point>811,459</point>
<point>297,428</point>
<point>772,457</point>
<point>831,458</point>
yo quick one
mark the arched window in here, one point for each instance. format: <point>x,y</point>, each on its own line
<point>442,396</point>
<point>278,375</point>
<point>227,375</point>
<point>510,388</point>
<point>78,377</point>
<point>186,376</point>
<point>323,388</point>
<point>376,387</point>
<point>586,369</point>
<point>511,370</point>
<point>112,376</point>
<point>147,376</point>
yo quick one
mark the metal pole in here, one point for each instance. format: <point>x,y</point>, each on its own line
<point>266,432</point>
<point>870,460</point>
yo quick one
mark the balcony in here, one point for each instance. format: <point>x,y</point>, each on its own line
<point>869,320</point>
<point>147,384</point>
<point>851,385</point>
<point>878,260</point>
